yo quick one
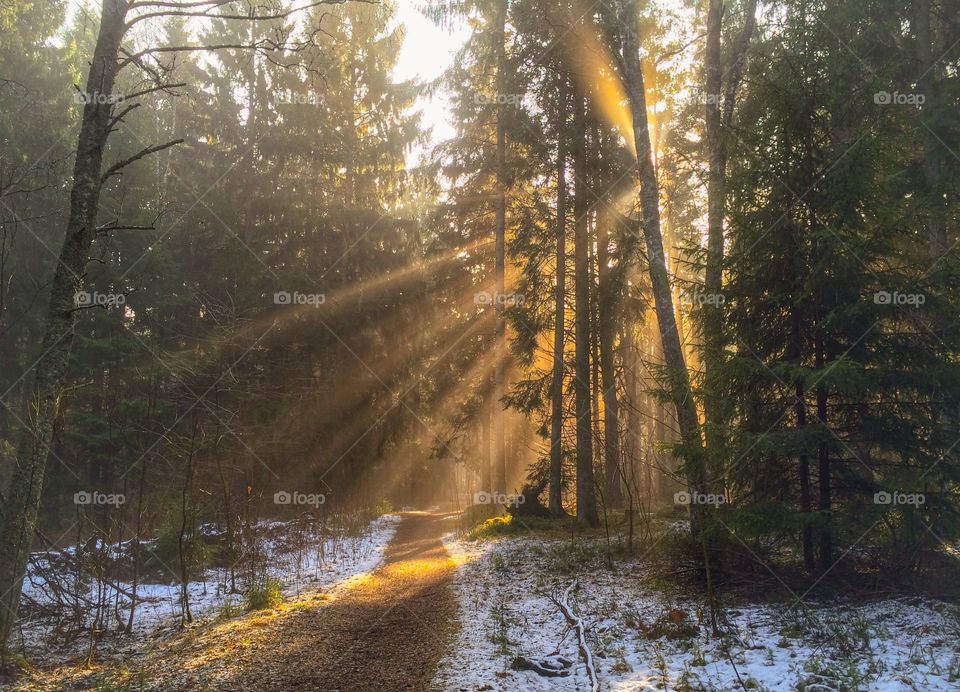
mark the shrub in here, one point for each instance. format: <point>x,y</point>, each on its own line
<point>264,595</point>
<point>230,608</point>
<point>491,528</point>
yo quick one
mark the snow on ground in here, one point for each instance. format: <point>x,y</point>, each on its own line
<point>645,638</point>
<point>314,563</point>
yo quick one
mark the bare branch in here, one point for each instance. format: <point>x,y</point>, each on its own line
<point>114,226</point>
<point>119,116</point>
<point>119,165</point>
<point>252,16</point>
<point>160,87</point>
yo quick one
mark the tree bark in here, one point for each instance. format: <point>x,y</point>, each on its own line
<point>632,452</point>
<point>586,495</point>
<point>719,100</point>
<point>559,330</point>
<point>800,411</point>
<point>710,312</point>
<point>499,447</point>
<point>27,482</point>
<point>486,479</point>
<point>679,379</point>
<point>930,167</point>
<point>606,311</point>
<point>823,459</point>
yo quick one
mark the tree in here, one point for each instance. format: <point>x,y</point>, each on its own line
<point>678,378</point>
<point>559,317</point>
<point>719,95</point>
<point>586,493</point>
<point>104,110</point>
<point>500,240</point>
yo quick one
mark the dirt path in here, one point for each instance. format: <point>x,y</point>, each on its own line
<point>386,631</point>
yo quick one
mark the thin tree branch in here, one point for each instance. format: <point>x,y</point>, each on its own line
<point>119,165</point>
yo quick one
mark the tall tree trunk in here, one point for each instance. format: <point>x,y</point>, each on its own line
<point>19,522</point>
<point>559,329</point>
<point>679,379</point>
<point>927,85</point>
<point>800,411</point>
<point>499,445</point>
<point>719,104</point>
<point>823,454</point>
<point>586,494</point>
<point>631,454</point>
<point>606,318</point>
<point>710,311</point>
<point>594,341</point>
<point>486,482</point>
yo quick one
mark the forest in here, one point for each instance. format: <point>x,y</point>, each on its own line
<point>479,345</point>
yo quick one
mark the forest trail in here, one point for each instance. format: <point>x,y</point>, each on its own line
<point>383,630</point>
<point>387,631</point>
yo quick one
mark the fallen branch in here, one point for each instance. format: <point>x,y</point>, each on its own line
<point>563,603</point>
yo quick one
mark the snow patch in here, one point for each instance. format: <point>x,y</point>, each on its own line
<point>643,639</point>
<point>321,565</point>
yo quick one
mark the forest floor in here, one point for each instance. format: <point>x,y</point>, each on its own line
<point>381,630</point>
<point>470,610</point>
<point>648,625</point>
